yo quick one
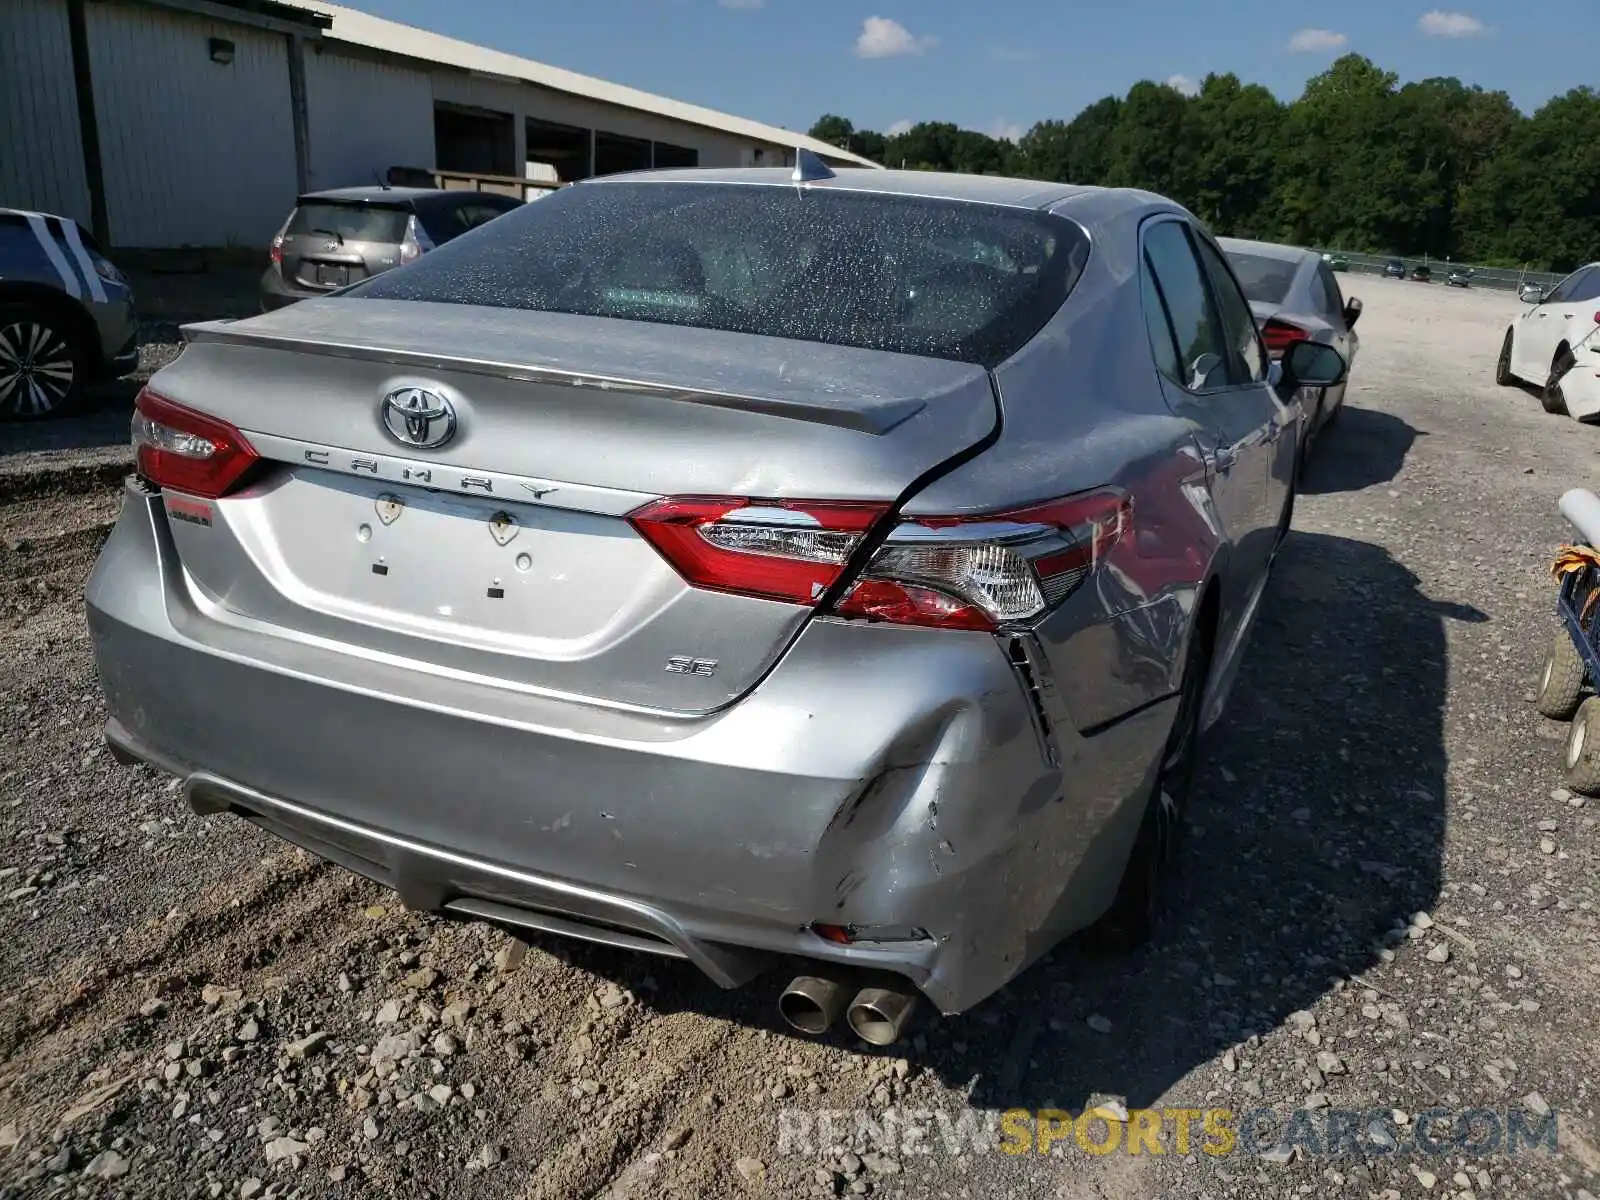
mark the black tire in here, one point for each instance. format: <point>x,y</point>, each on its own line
<point>1502,366</point>
<point>1550,397</point>
<point>1583,749</point>
<point>44,363</point>
<point>1561,684</point>
<point>1126,925</point>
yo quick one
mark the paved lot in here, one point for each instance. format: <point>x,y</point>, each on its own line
<point>188,1008</point>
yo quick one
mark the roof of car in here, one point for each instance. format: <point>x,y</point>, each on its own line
<point>932,185</point>
<point>1266,249</point>
<point>375,194</point>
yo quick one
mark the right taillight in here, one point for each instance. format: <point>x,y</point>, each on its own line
<point>791,550</point>
<point>986,571</point>
<point>969,572</point>
<point>187,451</point>
<point>416,241</point>
<point>1280,335</point>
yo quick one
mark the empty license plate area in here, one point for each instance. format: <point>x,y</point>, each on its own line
<point>515,578</point>
<point>332,275</point>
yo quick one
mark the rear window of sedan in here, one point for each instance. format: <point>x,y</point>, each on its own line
<point>352,222</point>
<point>1262,278</point>
<point>944,279</point>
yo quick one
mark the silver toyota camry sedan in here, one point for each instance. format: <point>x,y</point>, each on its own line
<point>740,566</point>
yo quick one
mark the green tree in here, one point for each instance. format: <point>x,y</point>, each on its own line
<point>1236,130</point>
<point>1152,146</point>
<point>834,130</point>
<point>1357,161</point>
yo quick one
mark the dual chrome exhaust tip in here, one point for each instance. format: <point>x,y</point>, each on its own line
<point>876,1015</point>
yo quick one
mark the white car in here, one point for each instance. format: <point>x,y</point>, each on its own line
<point>1295,297</point>
<point>1554,345</point>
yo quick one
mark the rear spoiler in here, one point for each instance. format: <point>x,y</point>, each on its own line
<point>876,416</point>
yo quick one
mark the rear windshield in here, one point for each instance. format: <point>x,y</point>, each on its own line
<point>1265,279</point>
<point>353,222</point>
<point>938,278</point>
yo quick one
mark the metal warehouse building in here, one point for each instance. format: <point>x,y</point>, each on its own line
<point>172,123</point>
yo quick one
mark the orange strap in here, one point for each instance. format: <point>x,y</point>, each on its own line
<point>1576,558</point>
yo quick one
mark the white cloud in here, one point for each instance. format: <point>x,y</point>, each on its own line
<point>743,5</point>
<point>899,127</point>
<point>1317,39</point>
<point>882,38</point>
<point>1439,23</point>
<point>1182,83</point>
<point>1005,130</point>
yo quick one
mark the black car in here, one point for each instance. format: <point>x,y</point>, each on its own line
<point>1394,269</point>
<point>1422,273</point>
<point>340,237</point>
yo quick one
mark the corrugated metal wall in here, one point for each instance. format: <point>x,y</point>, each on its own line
<point>365,117</point>
<point>193,152</point>
<point>41,156</point>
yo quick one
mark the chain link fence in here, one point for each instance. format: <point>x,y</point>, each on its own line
<point>1508,279</point>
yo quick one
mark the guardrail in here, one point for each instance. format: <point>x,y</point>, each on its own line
<point>1508,279</point>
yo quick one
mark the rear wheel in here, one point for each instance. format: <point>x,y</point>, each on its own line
<point>1127,923</point>
<point>1502,366</point>
<point>1551,397</point>
<point>1561,684</point>
<point>43,363</point>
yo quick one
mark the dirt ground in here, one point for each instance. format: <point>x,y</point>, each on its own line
<point>1388,906</point>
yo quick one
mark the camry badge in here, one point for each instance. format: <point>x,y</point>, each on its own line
<point>420,417</point>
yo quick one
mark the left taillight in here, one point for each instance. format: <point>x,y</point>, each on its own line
<point>175,447</point>
<point>277,249</point>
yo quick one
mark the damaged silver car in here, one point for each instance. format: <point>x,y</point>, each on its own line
<point>737,566</point>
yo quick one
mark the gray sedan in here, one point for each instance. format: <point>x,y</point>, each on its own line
<point>1295,297</point>
<point>735,566</point>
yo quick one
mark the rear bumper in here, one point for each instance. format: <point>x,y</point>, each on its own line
<point>887,779</point>
<point>1580,387</point>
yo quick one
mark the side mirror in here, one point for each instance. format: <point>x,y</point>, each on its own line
<point>1352,310</point>
<point>1531,293</point>
<point>1312,364</point>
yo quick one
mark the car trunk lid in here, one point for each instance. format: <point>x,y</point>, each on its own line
<point>504,552</point>
<point>330,244</point>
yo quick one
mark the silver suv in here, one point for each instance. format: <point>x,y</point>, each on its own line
<point>336,238</point>
<point>66,315</point>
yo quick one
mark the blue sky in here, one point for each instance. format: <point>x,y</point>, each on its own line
<point>1003,64</point>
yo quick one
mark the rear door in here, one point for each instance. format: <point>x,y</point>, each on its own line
<point>448,216</point>
<point>1207,381</point>
<point>1541,328</point>
<point>331,244</point>
<point>1327,303</point>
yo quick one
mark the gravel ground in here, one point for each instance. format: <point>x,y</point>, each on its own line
<point>1388,904</point>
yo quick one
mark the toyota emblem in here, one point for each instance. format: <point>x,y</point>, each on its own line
<point>416,416</point>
